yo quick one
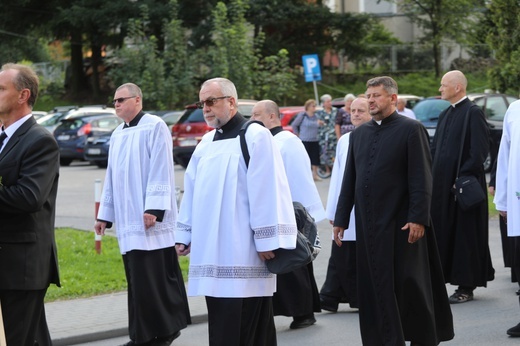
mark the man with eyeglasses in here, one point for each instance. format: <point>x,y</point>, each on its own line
<point>231,219</point>
<point>139,197</point>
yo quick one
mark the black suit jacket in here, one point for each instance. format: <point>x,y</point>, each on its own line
<point>29,170</point>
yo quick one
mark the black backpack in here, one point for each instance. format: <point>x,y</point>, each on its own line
<point>304,221</point>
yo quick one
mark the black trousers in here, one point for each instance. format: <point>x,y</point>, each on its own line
<point>24,318</point>
<point>340,284</point>
<point>157,301</point>
<point>241,321</point>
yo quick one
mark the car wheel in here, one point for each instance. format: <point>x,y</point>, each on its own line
<point>101,164</point>
<point>65,162</point>
<point>487,164</point>
<point>183,161</point>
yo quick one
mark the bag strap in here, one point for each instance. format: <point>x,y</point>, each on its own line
<point>243,143</point>
<point>464,130</point>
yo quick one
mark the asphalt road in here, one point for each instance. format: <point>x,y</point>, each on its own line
<point>483,321</point>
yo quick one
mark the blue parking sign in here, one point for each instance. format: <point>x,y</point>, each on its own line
<point>311,67</point>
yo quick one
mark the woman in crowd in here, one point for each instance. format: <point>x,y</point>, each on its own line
<point>306,127</point>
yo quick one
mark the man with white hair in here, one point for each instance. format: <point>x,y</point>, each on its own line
<point>232,217</point>
<point>403,110</point>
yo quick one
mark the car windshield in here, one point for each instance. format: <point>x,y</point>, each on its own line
<point>429,110</point>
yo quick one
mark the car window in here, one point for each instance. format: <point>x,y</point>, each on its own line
<point>193,115</point>
<point>51,119</point>
<point>429,110</point>
<point>70,124</point>
<point>246,110</point>
<point>495,108</point>
<point>106,123</point>
<point>511,99</point>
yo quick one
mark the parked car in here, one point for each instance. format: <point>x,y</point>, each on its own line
<point>494,107</point>
<point>38,114</point>
<point>71,134</point>
<point>98,140</point>
<point>171,118</point>
<point>190,128</point>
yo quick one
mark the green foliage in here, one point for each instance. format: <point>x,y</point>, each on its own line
<point>504,38</point>
<point>85,273</point>
<point>233,56</point>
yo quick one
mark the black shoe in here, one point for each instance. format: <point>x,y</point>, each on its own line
<point>461,296</point>
<point>518,292</point>
<point>307,322</point>
<point>129,343</point>
<point>515,331</point>
<point>166,341</point>
<point>328,306</point>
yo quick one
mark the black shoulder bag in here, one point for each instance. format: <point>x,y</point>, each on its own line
<point>468,191</point>
<point>285,260</point>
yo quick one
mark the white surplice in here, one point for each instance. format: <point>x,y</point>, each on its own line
<point>336,178</point>
<point>507,194</point>
<point>229,213</point>
<point>139,177</point>
<point>298,169</point>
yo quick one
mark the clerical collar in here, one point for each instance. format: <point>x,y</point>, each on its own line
<point>459,101</point>
<point>276,130</point>
<point>231,128</point>
<point>388,118</point>
<point>135,120</point>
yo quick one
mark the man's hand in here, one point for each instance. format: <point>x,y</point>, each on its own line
<point>182,250</point>
<point>503,214</point>
<point>266,255</point>
<point>338,234</point>
<point>149,220</point>
<point>416,231</point>
<point>99,227</point>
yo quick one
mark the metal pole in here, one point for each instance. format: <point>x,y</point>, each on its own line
<point>97,199</point>
<point>315,92</point>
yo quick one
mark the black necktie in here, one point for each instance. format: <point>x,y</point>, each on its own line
<point>3,136</point>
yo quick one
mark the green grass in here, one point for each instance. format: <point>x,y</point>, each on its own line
<point>83,272</point>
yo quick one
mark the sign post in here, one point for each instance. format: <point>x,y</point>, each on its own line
<point>311,68</point>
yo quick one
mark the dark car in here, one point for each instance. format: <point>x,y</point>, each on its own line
<point>494,107</point>
<point>72,133</point>
<point>98,140</point>
<point>190,128</point>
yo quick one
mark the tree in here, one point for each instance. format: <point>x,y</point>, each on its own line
<point>504,38</point>
<point>440,20</point>
<point>233,55</point>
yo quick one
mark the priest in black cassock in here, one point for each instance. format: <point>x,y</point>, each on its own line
<point>462,236</point>
<point>402,295</point>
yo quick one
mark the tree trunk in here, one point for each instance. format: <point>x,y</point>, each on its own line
<point>77,81</point>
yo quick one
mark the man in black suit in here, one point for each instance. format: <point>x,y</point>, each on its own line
<point>29,169</point>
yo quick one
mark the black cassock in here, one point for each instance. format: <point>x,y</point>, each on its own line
<point>402,295</point>
<point>462,236</point>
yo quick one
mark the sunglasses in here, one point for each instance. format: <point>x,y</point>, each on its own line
<point>210,102</point>
<point>122,99</point>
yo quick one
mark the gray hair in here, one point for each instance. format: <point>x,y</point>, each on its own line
<point>226,86</point>
<point>26,78</point>
<point>325,97</point>
<point>388,83</point>
<point>349,97</point>
<point>132,88</point>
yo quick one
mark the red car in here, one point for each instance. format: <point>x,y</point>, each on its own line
<point>191,126</point>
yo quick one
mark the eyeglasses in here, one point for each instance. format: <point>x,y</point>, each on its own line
<point>122,99</point>
<point>210,102</point>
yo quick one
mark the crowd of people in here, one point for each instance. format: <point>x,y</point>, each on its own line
<point>398,233</point>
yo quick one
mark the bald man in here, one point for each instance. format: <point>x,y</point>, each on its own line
<point>462,236</point>
<point>296,292</point>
